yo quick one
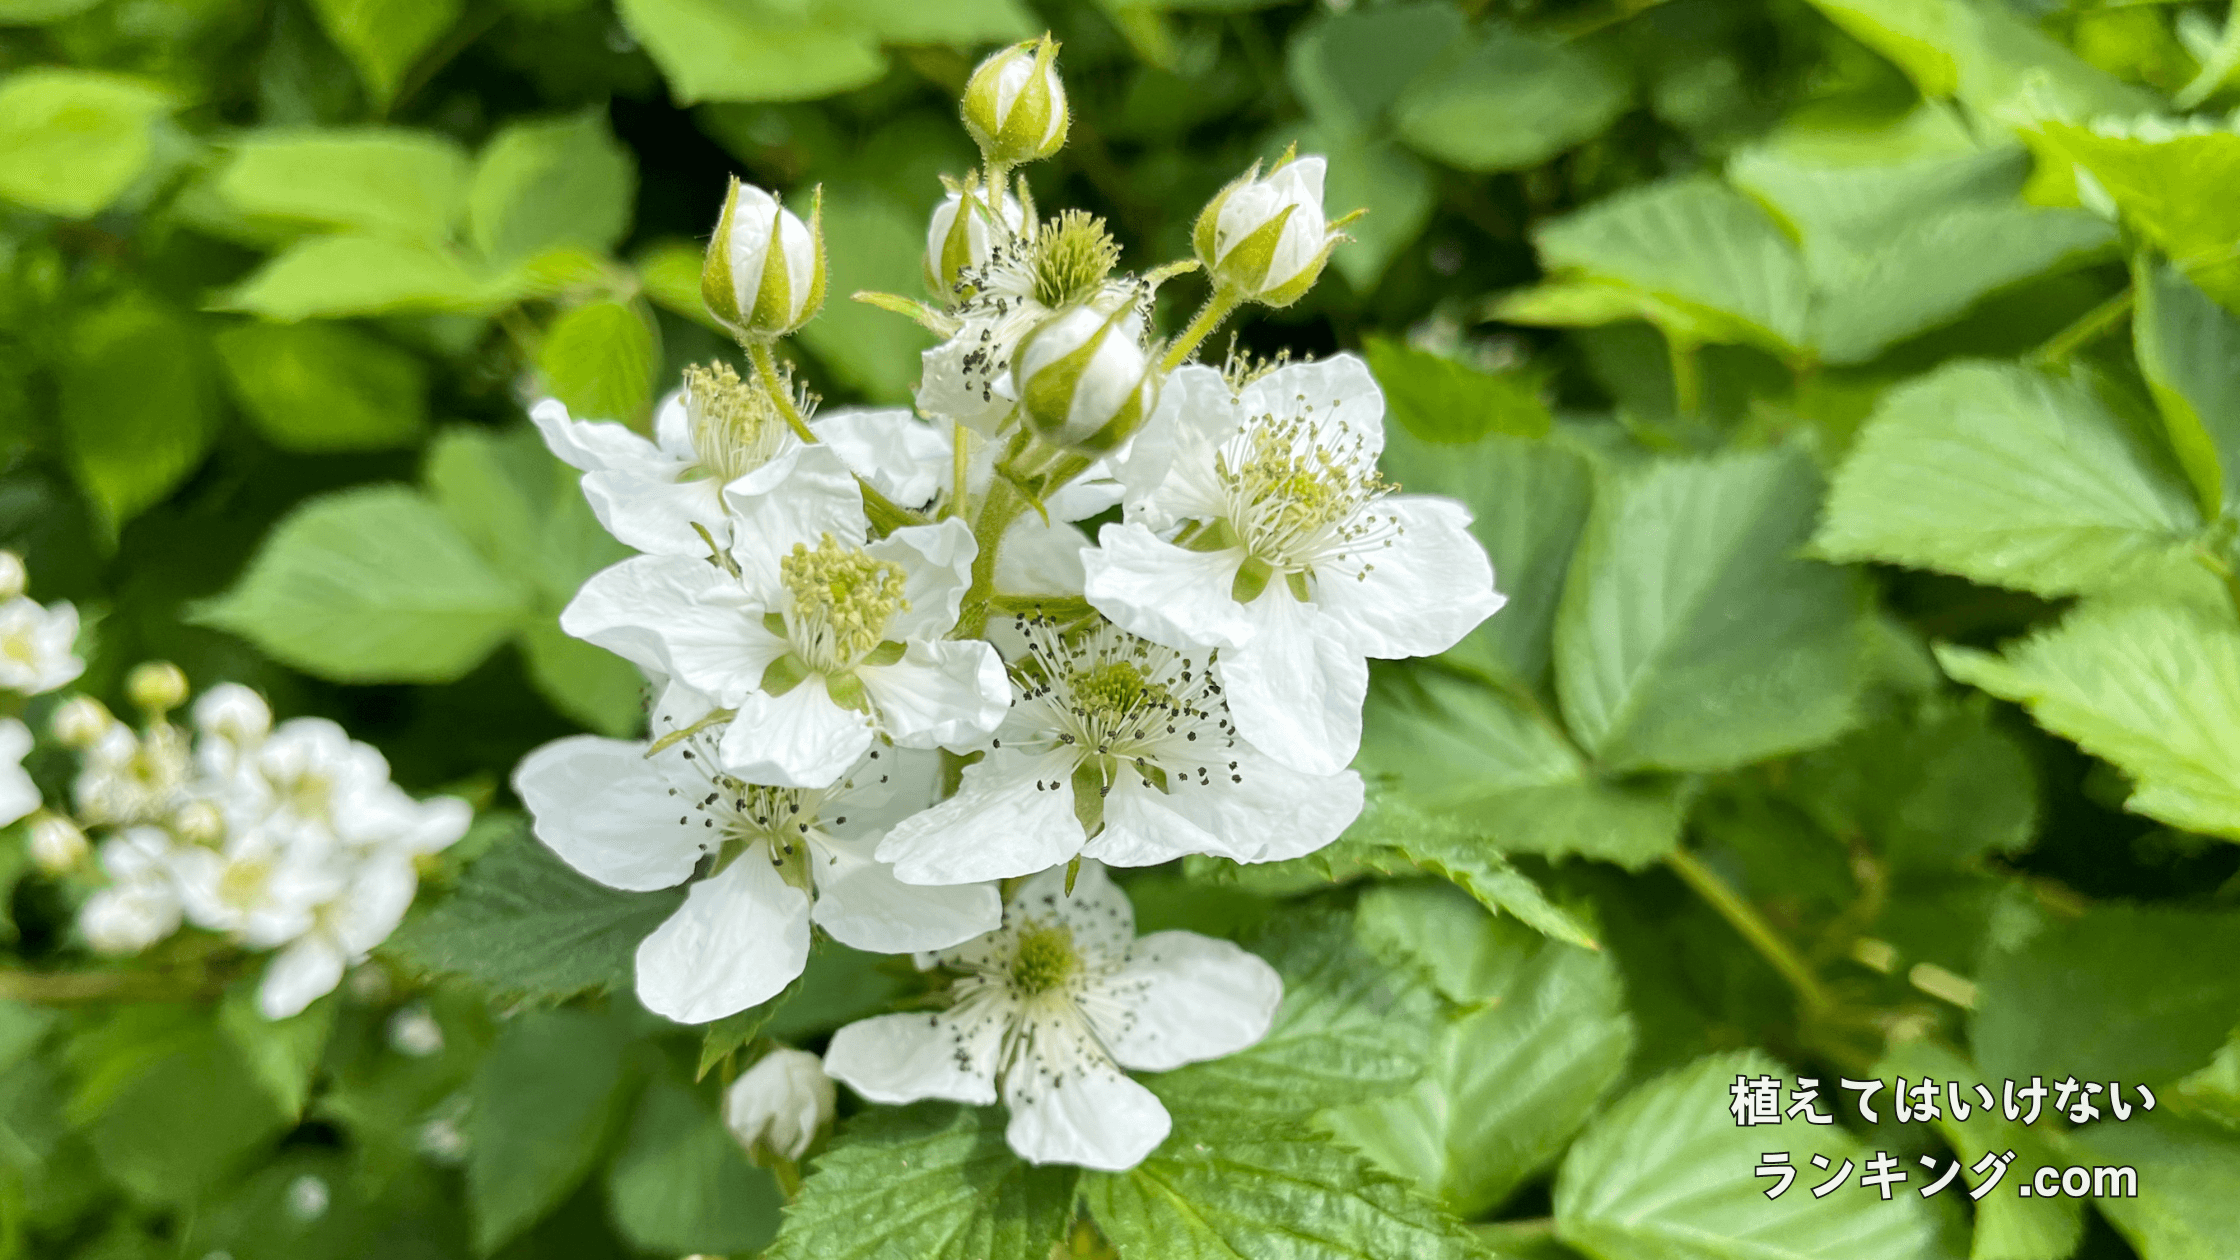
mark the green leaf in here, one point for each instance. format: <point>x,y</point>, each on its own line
<point>710,50</point>
<point>680,1183</point>
<point>545,1099</point>
<point>1515,1075</point>
<point>403,185</point>
<point>670,274</point>
<point>1505,99</point>
<point>284,1054</point>
<point>523,924</point>
<point>71,141</point>
<point>2153,689</point>
<point>1348,67</point>
<point>2189,351</point>
<point>1448,403</point>
<point>1394,834</point>
<point>2124,992</point>
<point>139,405</point>
<point>1230,1188</point>
<point>320,388</point>
<point>2172,183</point>
<point>2185,1208</point>
<point>1462,750</point>
<point>877,245</point>
<point>720,1038</point>
<point>335,277</point>
<point>586,683</point>
<point>600,360</point>
<point>1990,58</point>
<point>371,585</point>
<point>960,23</point>
<point>168,1102</point>
<point>550,183</point>
<point>1691,636</point>
<point>1930,794</point>
<point>939,1182</point>
<point>1666,1175</point>
<point>384,38</point>
<point>2008,1226</point>
<point>1696,245</point>
<point>2009,477</point>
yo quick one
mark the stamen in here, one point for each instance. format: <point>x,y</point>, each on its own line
<point>1301,499</point>
<point>736,425</point>
<point>842,600</point>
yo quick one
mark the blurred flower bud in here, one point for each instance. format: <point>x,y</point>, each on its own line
<point>764,275</point>
<point>81,721</point>
<point>1083,377</point>
<point>1015,106</point>
<point>233,713</point>
<point>57,846</point>
<point>157,687</point>
<point>1266,238</point>
<point>11,575</point>
<point>965,230</point>
<point>783,1102</point>
<point>199,822</point>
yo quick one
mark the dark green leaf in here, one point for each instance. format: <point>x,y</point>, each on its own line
<point>2189,351</point>
<point>545,1101</point>
<point>139,405</point>
<point>384,38</point>
<point>1505,99</point>
<point>680,1184</point>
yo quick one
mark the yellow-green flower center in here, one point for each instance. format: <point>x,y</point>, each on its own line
<point>736,427</point>
<point>1298,498</point>
<point>1072,256</point>
<point>842,599</point>
<point>1108,693</point>
<point>1044,958</point>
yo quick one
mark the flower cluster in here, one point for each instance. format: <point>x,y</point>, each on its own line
<point>37,655</point>
<point>901,697</point>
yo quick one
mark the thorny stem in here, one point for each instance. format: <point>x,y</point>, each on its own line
<point>1219,307</point>
<point>2087,327</point>
<point>1745,919</point>
<point>886,515</point>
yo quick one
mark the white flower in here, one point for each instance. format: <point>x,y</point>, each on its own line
<point>816,639</point>
<point>127,779</point>
<point>263,886</point>
<point>35,645</point>
<point>12,575</point>
<point>311,774</point>
<point>1120,750</point>
<point>958,242</point>
<point>784,858</point>
<point>764,275</point>
<point>1015,105</point>
<point>1084,378</point>
<point>18,794</point>
<point>1267,237</point>
<point>1257,524</point>
<point>782,1103</point>
<point>57,845</point>
<point>141,904</point>
<point>342,932</point>
<point>1051,1008</point>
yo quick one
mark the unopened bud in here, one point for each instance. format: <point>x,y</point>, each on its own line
<point>233,713</point>
<point>11,575</point>
<point>1015,106</point>
<point>1084,379</point>
<point>1266,237</point>
<point>764,275</point>
<point>782,1103</point>
<point>81,721</point>
<point>964,232</point>
<point>157,687</point>
<point>57,846</point>
<point>199,822</point>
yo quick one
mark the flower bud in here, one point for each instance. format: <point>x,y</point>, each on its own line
<point>1083,377</point>
<point>783,1102</point>
<point>11,575</point>
<point>764,275</point>
<point>156,686</point>
<point>965,230</point>
<point>1266,238</point>
<point>199,822</point>
<point>1015,106</point>
<point>81,721</point>
<point>233,713</point>
<point>56,844</point>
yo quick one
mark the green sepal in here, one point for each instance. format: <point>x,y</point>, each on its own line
<point>1214,535</point>
<point>848,692</point>
<point>784,674</point>
<point>717,291</point>
<point>886,653</point>
<point>1091,780</point>
<point>1296,287</point>
<point>775,623</point>
<point>1204,233</point>
<point>1252,578</point>
<point>1297,581</point>
<point>1246,264</point>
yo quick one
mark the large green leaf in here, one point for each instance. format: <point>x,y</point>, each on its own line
<point>384,38</point>
<point>714,50</point>
<point>1500,762</point>
<point>2173,183</point>
<point>543,184</point>
<point>545,1100</point>
<point>599,359</point>
<point>2185,1208</point>
<point>1692,636</point>
<point>339,276</point>
<point>71,141</point>
<point>2189,351</point>
<point>1667,1175</point>
<point>958,22</point>
<point>1927,794</point>
<point>2010,477</point>
<point>325,387</point>
<point>1349,66</point>
<point>523,924</point>
<point>932,1181</point>
<point>373,584</point>
<point>2008,1226</point>
<point>1503,99</point>
<point>2154,689</point>
<point>167,1100</point>
<point>384,181</point>
<point>1989,57</point>
<point>139,404</point>
<point>681,1185</point>
<point>1543,1034</point>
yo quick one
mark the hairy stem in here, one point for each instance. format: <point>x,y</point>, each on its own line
<point>1745,919</point>
<point>1002,506</point>
<point>958,458</point>
<point>1219,307</point>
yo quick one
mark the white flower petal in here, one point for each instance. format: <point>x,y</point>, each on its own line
<point>947,693</point>
<point>608,812</point>
<point>902,457</point>
<point>739,938</point>
<point>902,1058</point>
<point>657,515</point>
<point>1296,690</point>
<point>593,446</point>
<point>1165,593</point>
<point>1041,558</point>
<point>1423,593</point>
<point>998,825</point>
<point>1348,408</point>
<point>1196,412</point>
<point>1092,1115</point>
<point>1189,998</point>
<point>672,615</point>
<point>18,794</point>
<point>819,497</point>
<point>936,562</point>
<point>1264,812</point>
<point>863,905</point>
<point>300,975</point>
<point>799,739</point>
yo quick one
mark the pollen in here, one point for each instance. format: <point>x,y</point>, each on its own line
<point>736,426</point>
<point>1072,256</point>
<point>1043,959</point>
<point>1113,692</point>
<point>842,600</point>
<point>1300,497</point>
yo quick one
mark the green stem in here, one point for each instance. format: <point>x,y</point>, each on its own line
<point>2087,327</point>
<point>1219,307</point>
<point>1687,383</point>
<point>958,459</point>
<point>1745,919</point>
<point>788,1175</point>
<point>75,988</point>
<point>1002,506</point>
<point>886,515</point>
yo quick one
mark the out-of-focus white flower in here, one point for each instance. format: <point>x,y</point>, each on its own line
<point>1015,104</point>
<point>1257,525</point>
<point>342,932</point>
<point>80,721</point>
<point>57,845</point>
<point>784,857</point>
<point>157,687</point>
<point>1049,1009</point>
<point>964,232</point>
<point>764,275</point>
<point>18,794</point>
<point>1083,378</point>
<point>781,1103</point>
<point>1120,750</point>
<point>12,576</point>
<point>35,645</point>
<point>1265,236</point>
<point>141,904</point>
<point>264,886</point>
<point>128,778</point>
<point>414,1033</point>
